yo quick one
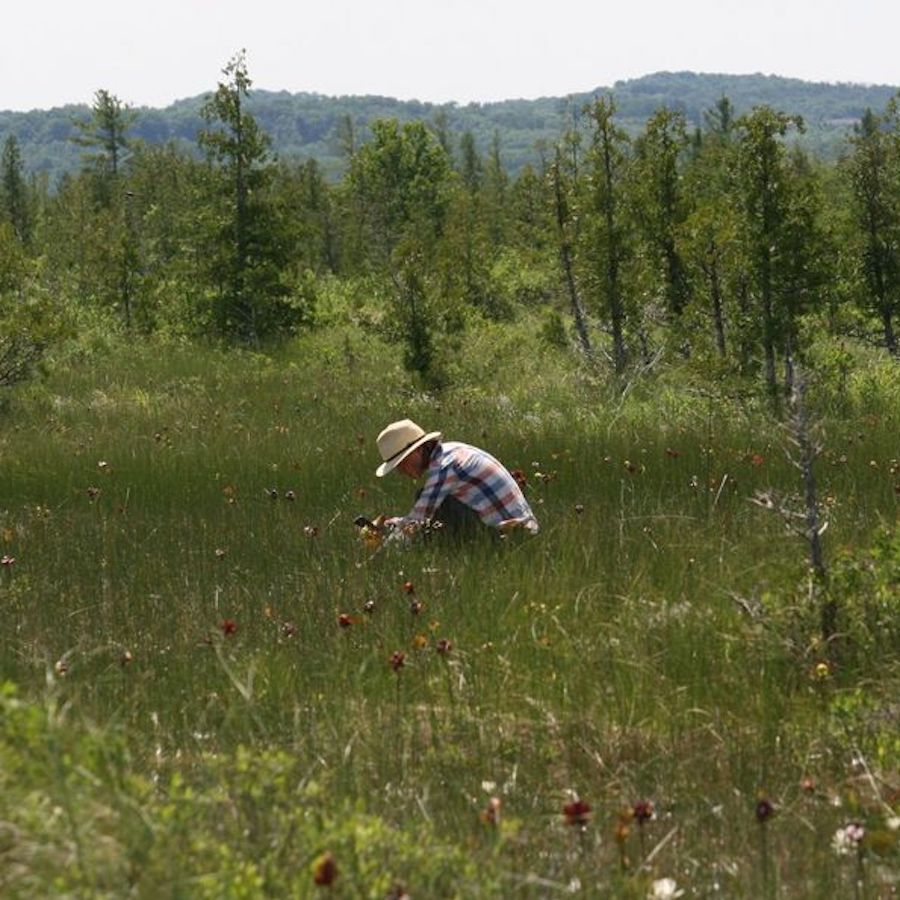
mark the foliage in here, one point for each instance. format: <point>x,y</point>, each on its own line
<point>311,126</point>
<point>235,717</point>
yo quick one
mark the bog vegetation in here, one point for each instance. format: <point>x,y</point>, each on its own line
<point>686,685</point>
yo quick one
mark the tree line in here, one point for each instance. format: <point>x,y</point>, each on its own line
<point>724,241</point>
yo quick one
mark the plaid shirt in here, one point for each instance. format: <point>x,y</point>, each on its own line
<point>475,478</point>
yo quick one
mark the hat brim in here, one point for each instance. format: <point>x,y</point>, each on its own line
<point>394,461</point>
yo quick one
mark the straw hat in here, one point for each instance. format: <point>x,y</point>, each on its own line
<point>398,440</point>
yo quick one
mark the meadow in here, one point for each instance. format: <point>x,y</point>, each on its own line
<point>213,688</point>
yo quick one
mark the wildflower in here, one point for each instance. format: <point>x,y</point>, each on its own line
<point>103,465</point>
<point>577,812</point>
<point>311,531</point>
<point>273,493</point>
<point>847,840</point>
<point>665,889</point>
<point>420,642</point>
<point>7,561</point>
<point>228,627</point>
<point>408,587</point>
<point>765,809</point>
<point>821,671</point>
<point>220,553</point>
<point>579,508</point>
<point>490,815</point>
<point>290,495</point>
<point>520,478</point>
<point>443,647</point>
<point>125,658</point>
<point>398,660</point>
<point>344,620</point>
<point>672,454</point>
<point>757,459</point>
<point>61,668</point>
<point>93,493</point>
<point>807,785</point>
<point>398,892</point>
<point>415,607</point>
<point>369,607</point>
<point>325,870</point>
<point>643,811</point>
<point>288,629</point>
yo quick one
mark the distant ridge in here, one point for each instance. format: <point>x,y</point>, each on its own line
<point>306,125</point>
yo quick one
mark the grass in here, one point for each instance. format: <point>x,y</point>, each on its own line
<point>190,718</point>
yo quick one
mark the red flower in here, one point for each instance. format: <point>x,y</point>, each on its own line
<point>643,811</point>
<point>228,627</point>
<point>443,647</point>
<point>398,660</point>
<point>344,620</point>
<point>415,607</point>
<point>520,477</point>
<point>577,813</point>
<point>757,459</point>
<point>765,809</point>
<point>409,587</point>
<point>325,870</point>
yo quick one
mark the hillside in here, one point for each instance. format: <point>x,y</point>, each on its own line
<point>306,125</point>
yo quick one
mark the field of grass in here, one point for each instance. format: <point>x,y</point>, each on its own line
<point>214,689</point>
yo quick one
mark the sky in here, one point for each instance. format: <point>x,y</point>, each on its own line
<point>153,52</point>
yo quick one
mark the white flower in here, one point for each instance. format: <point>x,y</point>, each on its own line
<point>893,823</point>
<point>847,839</point>
<point>665,889</point>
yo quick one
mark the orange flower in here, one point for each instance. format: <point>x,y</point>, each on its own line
<point>325,870</point>
<point>491,813</point>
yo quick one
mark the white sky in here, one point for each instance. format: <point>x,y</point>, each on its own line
<point>152,52</point>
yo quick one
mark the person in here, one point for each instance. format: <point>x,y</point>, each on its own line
<point>464,488</point>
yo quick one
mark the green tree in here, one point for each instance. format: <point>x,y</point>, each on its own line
<point>252,296</point>
<point>105,133</point>
<point>400,184</point>
<point>400,180</point>
<point>660,205</point>
<point>607,229</point>
<point>13,190</point>
<point>708,239</point>
<point>777,228</point>
<point>872,171</point>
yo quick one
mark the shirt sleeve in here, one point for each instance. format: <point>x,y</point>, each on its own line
<point>437,486</point>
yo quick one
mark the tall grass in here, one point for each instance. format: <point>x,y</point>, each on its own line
<point>180,524</point>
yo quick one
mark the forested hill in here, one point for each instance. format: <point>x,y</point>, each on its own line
<point>306,125</point>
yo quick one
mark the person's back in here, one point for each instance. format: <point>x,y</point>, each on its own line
<point>456,475</point>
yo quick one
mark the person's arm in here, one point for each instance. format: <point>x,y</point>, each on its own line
<point>437,486</point>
